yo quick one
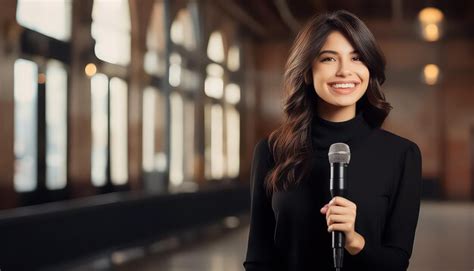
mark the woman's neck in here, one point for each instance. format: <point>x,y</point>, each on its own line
<point>334,113</point>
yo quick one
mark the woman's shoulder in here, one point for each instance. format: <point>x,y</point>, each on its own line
<point>262,148</point>
<point>394,141</point>
<point>262,156</point>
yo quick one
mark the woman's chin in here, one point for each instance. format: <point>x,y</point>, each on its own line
<point>343,101</point>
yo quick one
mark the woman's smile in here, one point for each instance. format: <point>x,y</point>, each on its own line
<point>343,88</point>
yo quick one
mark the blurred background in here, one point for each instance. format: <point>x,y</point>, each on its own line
<point>127,127</point>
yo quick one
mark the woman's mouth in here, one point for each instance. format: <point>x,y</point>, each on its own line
<point>343,88</point>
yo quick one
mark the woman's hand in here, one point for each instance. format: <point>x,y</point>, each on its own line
<point>340,216</point>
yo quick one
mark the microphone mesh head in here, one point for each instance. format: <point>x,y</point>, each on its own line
<point>339,153</point>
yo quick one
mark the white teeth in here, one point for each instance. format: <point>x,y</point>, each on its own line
<point>346,85</point>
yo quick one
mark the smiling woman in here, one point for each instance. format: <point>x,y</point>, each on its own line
<point>340,78</point>
<point>333,84</point>
<point>330,52</point>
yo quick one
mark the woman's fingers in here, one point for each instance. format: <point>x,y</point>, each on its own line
<point>338,210</point>
<point>339,205</point>
<point>339,219</point>
<point>340,214</point>
<point>340,201</point>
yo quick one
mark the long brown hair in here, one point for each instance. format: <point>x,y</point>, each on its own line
<point>290,143</point>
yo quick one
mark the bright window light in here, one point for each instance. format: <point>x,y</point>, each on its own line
<point>100,122</point>
<point>25,118</point>
<point>233,58</point>
<point>217,142</point>
<point>233,141</point>
<point>214,83</point>
<point>56,125</point>
<point>111,31</point>
<point>215,48</point>
<point>232,93</point>
<point>118,131</point>
<point>175,70</point>
<point>182,30</point>
<point>177,140</point>
<point>51,18</point>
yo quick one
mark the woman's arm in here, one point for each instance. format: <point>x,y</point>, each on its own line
<point>260,250</point>
<point>397,242</point>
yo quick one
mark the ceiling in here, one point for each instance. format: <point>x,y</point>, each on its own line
<point>280,19</point>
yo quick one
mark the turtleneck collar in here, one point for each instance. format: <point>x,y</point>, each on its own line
<point>352,132</point>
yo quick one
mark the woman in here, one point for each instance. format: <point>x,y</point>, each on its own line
<point>333,81</point>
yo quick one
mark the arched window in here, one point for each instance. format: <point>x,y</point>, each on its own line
<point>111,30</point>
<point>222,118</point>
<point>185,81</point>
<point>26,122</point>
<point>109,124</point>
<point>40,86</point>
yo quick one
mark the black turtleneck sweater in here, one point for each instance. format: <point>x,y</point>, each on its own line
<point>288,232</point>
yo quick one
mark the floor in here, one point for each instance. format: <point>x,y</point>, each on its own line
<point>222,254</point>
<point>444,238</point>
<point>444,242</point>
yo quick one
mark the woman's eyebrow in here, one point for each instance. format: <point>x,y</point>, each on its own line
<point>334,52</point>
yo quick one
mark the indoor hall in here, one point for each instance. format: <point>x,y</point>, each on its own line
<point>128,128</point>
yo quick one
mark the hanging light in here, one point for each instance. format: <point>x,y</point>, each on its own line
<point>431,74</point>
<point>90,69</point>
<point>431,19</point>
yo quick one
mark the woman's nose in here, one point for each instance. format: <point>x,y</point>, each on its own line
<point>344,69</point>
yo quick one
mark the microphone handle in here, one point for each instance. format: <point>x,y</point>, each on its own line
<point>338,180</point>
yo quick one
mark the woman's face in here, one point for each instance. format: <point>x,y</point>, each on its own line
<point>340,78</point>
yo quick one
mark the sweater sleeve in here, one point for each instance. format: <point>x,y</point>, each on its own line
<point>260,249</point>
<point>397,240</point>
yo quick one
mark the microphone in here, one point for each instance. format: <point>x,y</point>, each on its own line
<point>339,156</point>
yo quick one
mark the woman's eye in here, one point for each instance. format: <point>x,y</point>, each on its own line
<point>356,58</point>
<point>327,59</point>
